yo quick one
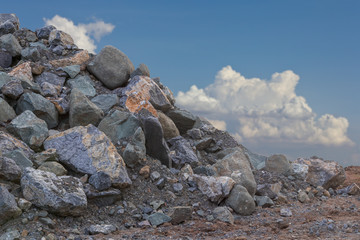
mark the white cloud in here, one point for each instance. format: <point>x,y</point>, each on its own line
<point>264,109</point>
<point>221,125</point>
<point>82,33</point>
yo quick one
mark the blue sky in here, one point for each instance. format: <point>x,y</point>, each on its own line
<point>189,43</point>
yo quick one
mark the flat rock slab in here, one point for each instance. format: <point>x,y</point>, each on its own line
<point>61,195</point>
<point>103,229</point>
<point>88,150</point>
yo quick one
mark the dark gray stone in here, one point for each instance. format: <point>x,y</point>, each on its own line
<point>117,125</point>
<point>263,201</point>
<point>88,150</point>
<point>83,84</point>
<point>7,27</point>
<point>58,50</point>
<point>112,67</point>
<point>6,111</point>
<point>241,201</point>
<point>72,70</point>
<point>9,144</point>
<point>205,170</point>
<point>13,89</point>
<point>9,170</point>
<point>11,17</point>
<point>141,70</point>
<point>10,44</point>
<point>183,119</point>
<point>155,143</point>
<point>160,184</point>
<point>256,160</point>
<point>101,229</point>
<point>8,206</point>
<point>181,214</point>
<point>83,111</point>
<point>5,59</point>
<point>50,78</point>
<point>31,53</point>
<point>105,101</point>
<point>168,126</point>
<point>50,90</point>
<point>40,106</point>
<point>204,143</point>
<point>135,150</point>
<point>30,129</point>
<point>61,195</point>
<point>21,159</point>
<point>102,198</point>
<point>58,37</point>
<point>223,214</point>
<point>158,218</point>
<point>4,78</point>
<point>182,152</point>
<point>44,32</point>
<point>100,181</point>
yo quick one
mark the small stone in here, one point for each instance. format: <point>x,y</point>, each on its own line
<point>158,218</point>
<point>12,89</point>
<point>223,214</point>
<point>157,204</point>
<point>181,214</point>
<point>24,204</point>
<point>282,224</point>
<point>155,176</point>
<point>263,201</point>
<point>178,187</point>
<point>303,197</point>
<point>53,167</point>
<point>10,235</point>
<point>145,171</point>
<point>100,180</point>
<point>47,221</point>
<point>144,223</point>
<point>285,212</point>
<point>103,229</point>
<point>160,184</point>
<point>72,70</point>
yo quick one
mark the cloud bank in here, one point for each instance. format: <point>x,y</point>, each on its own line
<point>259,109</point>
<point>82,34</point>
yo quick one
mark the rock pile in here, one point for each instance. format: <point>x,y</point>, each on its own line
<point>79,131</point>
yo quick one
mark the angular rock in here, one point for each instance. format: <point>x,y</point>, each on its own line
<point>100,181</point>
<point>158,218</point>
<point>30,129</point>
<point>31,54</point>
<point>300,170</point>
<point>61,195</point>
<point>4,78</point>
<point>78,59</point>
<point>105,101</point>
<point>12,89</point>
<point>204,143</point>
<point>49,155</point>
<point>181,214</point>
<point>103,229</point>
<point>216,189</point>
<point>44,32</point>
<point>168,126</point>
<point>6,111</point>
<point>24,204</point>
<point>83,111</point>
<point>7,27</point>
<point>278,163</point>
<point>328,174</point>
<point>10,44</point>
<point>25,34</point>
<point>82,84</point>
<point>205,170</point>
<point>58,37</point>
<point>62,105</point>
<point>9,170</point>
<point>102,198</point>
<point>223,214</point>
<point>88,150</point>
<point>257,161</point>
<point>182,153</point>
<point>50,90</point>
<point>143,93</point>
<point>72,70</point>
<point>155,143</point>
<point>236,165</point>
<point>263,201</point>
<point>40,106</point>
<point>241,201</point>
<point>52,78</point>
<point>285,212</point>
<point>183,119</point>
<point>141,70</point>
<point>270,190</point>
<point>20,158</point>
<point>8,144</point>
<point>303,197</point>
<point>53,167</point>
<point>9,208</point>
<point>117,125</point>
<point>112,67</point>
<point>5,59</point>
<point>135,150</point>
<point>9,23</point>
<point>22,72</point>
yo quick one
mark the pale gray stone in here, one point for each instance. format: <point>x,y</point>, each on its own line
<point>241,201</point>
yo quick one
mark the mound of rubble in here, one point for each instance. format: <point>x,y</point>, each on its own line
<point>90,145</point>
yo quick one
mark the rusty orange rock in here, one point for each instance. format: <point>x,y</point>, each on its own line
<point>23,71</point>
<point>77,59</point>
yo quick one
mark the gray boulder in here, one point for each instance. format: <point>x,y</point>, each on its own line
<point>61,195</point>
<point>88,150</point>
<point>135,150</point>
<point>235,164</point>
<point>104,197</point>
<point>278,163</point>
<point>83,111</point>
<point>12,89</point>
<point>180,214</point>
<point>141,70</point>
<point>112,67</point>
<point>20,158</point>
<point>183,119</point>
<point>10,17</point>
<point>58,37</point>
<point>50,78</point>
<point>44,32</point>
<point>117,125</point>
<point>31,53</point>
<point>10,44</point>
<point>30,129</point>
<point>105,101</point>
<point>6,111</point>
<point>53,167</point>
<point>9,144</point>
<point>100,181</point>
<point>168,126</point>
<point>241,201</point>
<point>5,59</point>
<point>72,70</point>
<point>40,106</point>
<point>223,214</point>
<point>8,206</point>
<point>82,84</point>
<point>182,153</point>
<point>9,170</point>
<point>155,144</point>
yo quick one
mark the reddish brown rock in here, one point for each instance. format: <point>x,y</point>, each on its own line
<point>23,71</point>
<point>77,59</point>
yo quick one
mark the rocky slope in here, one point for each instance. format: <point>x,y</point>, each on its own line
<point>93,148</point>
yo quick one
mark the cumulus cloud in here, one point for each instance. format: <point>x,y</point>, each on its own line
<point>82,34</point>
<point>264,109</point>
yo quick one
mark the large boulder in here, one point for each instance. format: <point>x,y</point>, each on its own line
<point>183,119</point>
<point>6,111</point>
<point>40,106</point>
<point>88,150</point>
<point>58,37</point>
<point>61,195</point>
<point>112,67</point>
<point>169,127</point>
<point>117,125</point>
<point>135,150</point>
<point>82,84</point>
<point>9,23</point>
<point>235,164</point>
<point>241,201</point>
<point>143,93</point>
<point>9,144</point>
<point>156,146</point>
<point>51,78</point>
<point>215,188</point>
<point>44,32</point>
<point>83,111</point>
<point>278,163</point>
<point>10,44</point>
<point>8,206</point>
<point>182,153</point>
<point>328,174</point>
<point>105,101</point>
<point>30,129</point>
